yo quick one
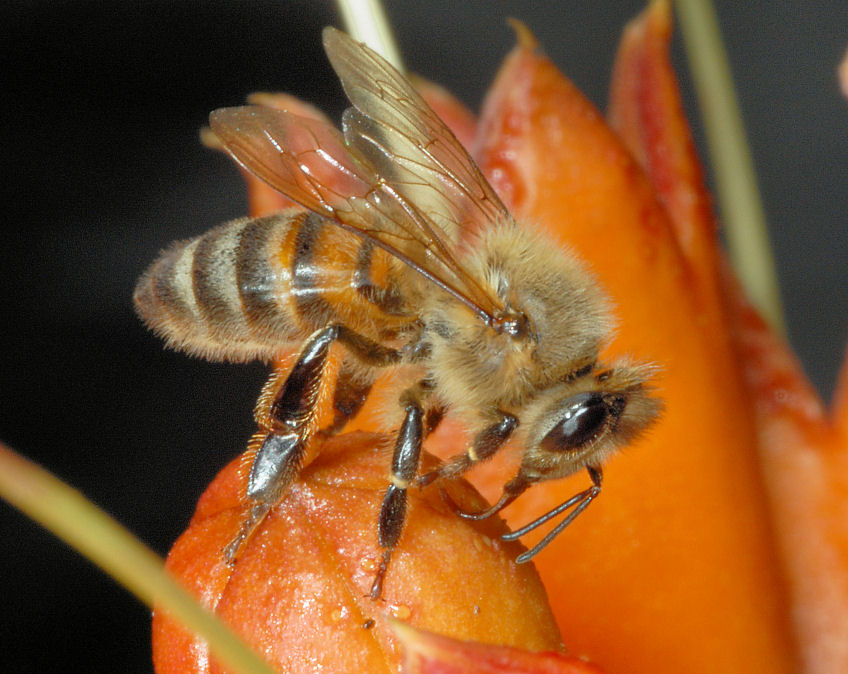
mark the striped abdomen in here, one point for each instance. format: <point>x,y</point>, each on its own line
<point>252,287</point>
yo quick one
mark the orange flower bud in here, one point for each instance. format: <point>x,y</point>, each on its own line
<point>298,589</point>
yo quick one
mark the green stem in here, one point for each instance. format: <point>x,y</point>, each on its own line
<point>94,534</point>
<point>736,183</point>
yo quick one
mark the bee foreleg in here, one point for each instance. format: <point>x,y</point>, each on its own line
<point>405,458</point>
<point>485,444</point>
<point>579,502</point>
<point>512,490</point>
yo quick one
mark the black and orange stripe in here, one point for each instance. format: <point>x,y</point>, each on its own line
<point>253,287</point>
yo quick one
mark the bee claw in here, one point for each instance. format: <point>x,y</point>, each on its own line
<point>251,521</point>
<point>482,515</point>
<point>427,479</point>
<point>376,592</point>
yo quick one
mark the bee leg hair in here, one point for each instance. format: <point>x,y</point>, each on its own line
<point>288,423</point>
<point>278,458</point>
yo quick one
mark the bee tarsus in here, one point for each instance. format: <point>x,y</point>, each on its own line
<point>579,501</point>
<point>512,490</point>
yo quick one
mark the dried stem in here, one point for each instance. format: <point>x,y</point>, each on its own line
<point>736,183</point>
<point>367,22</point>
<point>97,536</point>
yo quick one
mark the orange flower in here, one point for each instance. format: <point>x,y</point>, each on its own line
<point>719,541</point>
<point>299,590</point>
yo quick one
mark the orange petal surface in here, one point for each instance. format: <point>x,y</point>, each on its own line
<point>805,460</point>
<point>428,653</point>
<point>646,112</point>
<point>675,568</point>
<point>802,456</point>
<point>298,590</point>
<point>459,118</point>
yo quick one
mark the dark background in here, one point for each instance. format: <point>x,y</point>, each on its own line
<point>103,168</point>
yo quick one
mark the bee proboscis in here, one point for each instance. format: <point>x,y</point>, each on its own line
<point>406,257</point>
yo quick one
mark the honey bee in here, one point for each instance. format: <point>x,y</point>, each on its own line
<point>408,259</point>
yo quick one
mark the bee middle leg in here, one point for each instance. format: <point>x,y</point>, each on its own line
<point>485,444</point>
<point>407,452</point>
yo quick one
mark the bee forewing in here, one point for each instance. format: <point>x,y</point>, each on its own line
<point>303,158</point>
<point>411,146</point>
<point>309,161</point>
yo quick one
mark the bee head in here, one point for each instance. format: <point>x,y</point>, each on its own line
<point>581,421</point>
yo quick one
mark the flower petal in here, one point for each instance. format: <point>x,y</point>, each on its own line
<point>646,112</point>
<point>800,462</point>
<point>839,409</point>
<point>805,461</point>
<point>680,539</point>
<point>298,589</point>
<point>459,119</point>
<point>428,653</point>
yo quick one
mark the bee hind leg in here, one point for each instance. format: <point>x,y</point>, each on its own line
<point>288,423</point>
<point>292,411</point>
<point>285,432</point>
<point>254,518</point>
<point>277,459</point>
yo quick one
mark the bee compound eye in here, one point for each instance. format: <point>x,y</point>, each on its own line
<point>584,417</point>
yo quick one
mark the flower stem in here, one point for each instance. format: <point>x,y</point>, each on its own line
<point>736,183</point>
<point>97,536</point>
<point>367,22</point>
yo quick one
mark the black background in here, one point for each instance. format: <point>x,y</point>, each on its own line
<point>99,119</point>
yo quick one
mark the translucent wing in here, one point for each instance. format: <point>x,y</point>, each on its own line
<point>408,144</point>
<point>301,157</point>
<point>309,162</point>
<point>397,176</point>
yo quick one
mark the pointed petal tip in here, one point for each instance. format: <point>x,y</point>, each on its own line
<point>661,9</point>
<point>427,652</point>
<point>524,36</point>
<point>843,75</point>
